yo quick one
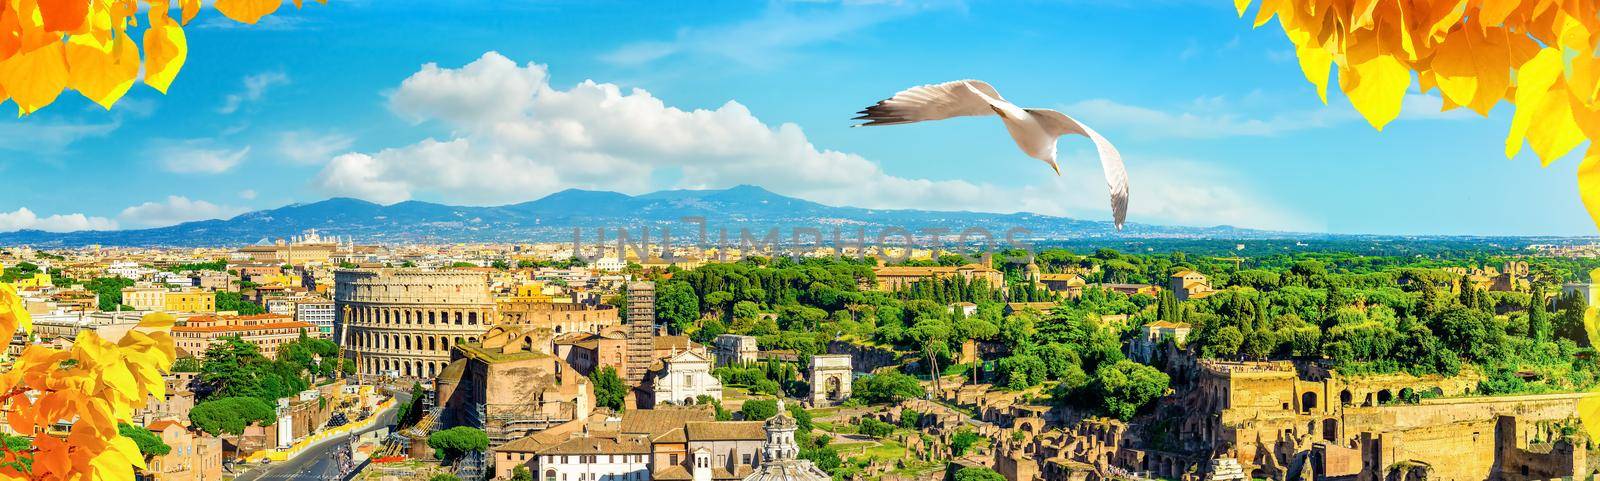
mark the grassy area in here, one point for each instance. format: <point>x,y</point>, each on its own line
<point>885,450</point>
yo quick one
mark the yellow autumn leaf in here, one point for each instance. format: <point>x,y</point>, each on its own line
<point>1494,12</point>
<point>188,10</point>
<point>1589,190</point>
<point>102,71</point>
<point>1316,63</point>
<point>35,77</point>
<point>165,49</point>
<point>156,320</point>
<point>1376,87</point>
<point>1555,132</point>
<point>1534,79</point>
<point>247,11</point>
<point>1477,73</point>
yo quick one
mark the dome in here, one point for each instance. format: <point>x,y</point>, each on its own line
<point>789,470</point>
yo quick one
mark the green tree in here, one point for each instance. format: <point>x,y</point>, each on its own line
<point>149,443</point>
<point>109,290</point>
<point>609,390</point>
<point>802,417</point>
<point>452,443</point>
<point>677,305</point>
<point>411,410</point>
<point>1126,387</point>
<point>231,415</point>
<point>875,428</point>
<point>759,409</point>
<point>521,473</point>
<point>888,387</point>
<point>962,440</point>
<point>444,477</point>
<point>233,301</point>
<point>910,418</point>
<point>978,473</point>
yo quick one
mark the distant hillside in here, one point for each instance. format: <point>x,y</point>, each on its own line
<point>553,218</point>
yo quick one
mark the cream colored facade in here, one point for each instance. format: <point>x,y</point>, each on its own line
<point>192,457</point>
<point>190,300</point>
<point>267,331</point>
<point>403,322</point>
<point>145,298</point>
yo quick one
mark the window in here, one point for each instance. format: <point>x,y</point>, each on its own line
<point>745,459</point>
<point>674,459</point>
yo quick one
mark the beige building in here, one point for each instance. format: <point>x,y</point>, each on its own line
<point>193,456</point>
<point>145,298</point>
<point>894,278</point>
<point>190,300</point>
<point>510,387</point>
<point>1189,284</point>
<point>266,331</point>
<point>404,322</point>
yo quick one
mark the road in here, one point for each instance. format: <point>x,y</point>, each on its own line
<point>317,462</point>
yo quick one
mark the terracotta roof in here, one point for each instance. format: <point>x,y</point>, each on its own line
<point>726,431</point>
<point>675,435</point>
<point>596,445</point>
<point>740,471</point>
<point>672,342</point>
<point>1168,325</point>
<point>1060,277</point>
<point>1185,272</point>
<point>542,439</point>
<point>662,419</point>
<point>671,473</point>
<point>162,425</point>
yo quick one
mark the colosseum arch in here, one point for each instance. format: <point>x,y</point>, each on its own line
<point>1385,397</point>
<point>1345,397</point>
<point>433,343</point>
<point>1308,402</point>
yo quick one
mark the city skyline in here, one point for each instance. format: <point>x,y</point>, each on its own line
<point>492,105</point>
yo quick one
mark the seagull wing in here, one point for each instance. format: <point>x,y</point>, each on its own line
<point>1059,124</point>
<point>932,102</point>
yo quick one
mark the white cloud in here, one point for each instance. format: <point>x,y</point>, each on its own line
<point>518,138</point>
<point>1214,117</point>
<point>310,148</point>
<point>24,219</point>
<point>255,87</point>
<point>770,38</point>
<point>1164,191</point>
<point>176,209</point>
<point>247,194</point>
<point>41,136</point>
<point>197,156</point>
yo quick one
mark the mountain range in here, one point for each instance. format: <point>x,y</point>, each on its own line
<point>553,218</point>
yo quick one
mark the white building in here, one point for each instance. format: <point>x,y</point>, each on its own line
<point>175,279</point>
<point>610,264</point>
<point>318,312</point>
<point>128,270</point>
<point>684,377</point>
<point>622,458</point>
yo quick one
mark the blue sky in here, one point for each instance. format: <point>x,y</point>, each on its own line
<point>482,103</point>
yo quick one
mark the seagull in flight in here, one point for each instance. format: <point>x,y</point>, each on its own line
<point>1035,130</point>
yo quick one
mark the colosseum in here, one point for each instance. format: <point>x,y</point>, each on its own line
<point>403,322</point>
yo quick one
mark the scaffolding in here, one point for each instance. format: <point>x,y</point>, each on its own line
<point>641,330</point>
